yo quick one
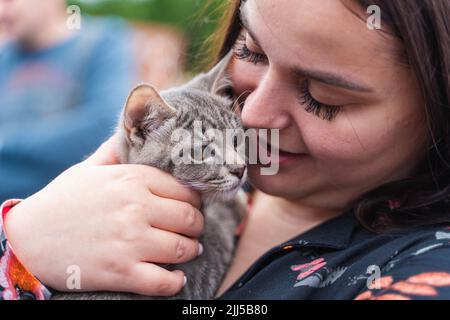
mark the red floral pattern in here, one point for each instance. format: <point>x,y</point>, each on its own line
<point>423,284</point>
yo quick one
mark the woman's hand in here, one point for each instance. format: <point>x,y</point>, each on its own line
<point>112,222</point>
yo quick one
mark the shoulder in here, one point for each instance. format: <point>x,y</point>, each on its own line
<point>419,241</point>
<point>107,42</point>
<point>419,269</point>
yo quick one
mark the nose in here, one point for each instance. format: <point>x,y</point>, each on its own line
<point>238,172</point>
<point>267,105</point>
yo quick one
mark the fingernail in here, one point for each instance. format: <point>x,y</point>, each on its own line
<point>184,281</point>
<point>200,249</point>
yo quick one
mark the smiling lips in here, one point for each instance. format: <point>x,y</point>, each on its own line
<point>282,157</point>
<point>288,157</point>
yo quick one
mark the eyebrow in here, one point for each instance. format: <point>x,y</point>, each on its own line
<point>246,25</point>
<point>329,78</point>
<point>332,79</point>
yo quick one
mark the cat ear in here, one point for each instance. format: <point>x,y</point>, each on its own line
<point>216,80</point>
<point>145,111</point>
<point>221,81</point>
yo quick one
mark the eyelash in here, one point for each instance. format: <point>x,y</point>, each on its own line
<point>319,109</point>
<point>242,52</point>
<point>324,111</point>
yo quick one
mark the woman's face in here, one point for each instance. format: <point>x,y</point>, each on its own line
<point>338,93</point>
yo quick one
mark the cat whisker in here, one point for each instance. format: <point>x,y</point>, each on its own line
<point>236,103</point>
<point>219,182</point>
<point>195,185</point>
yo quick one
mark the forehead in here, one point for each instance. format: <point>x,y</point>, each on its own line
<point>323,33</point>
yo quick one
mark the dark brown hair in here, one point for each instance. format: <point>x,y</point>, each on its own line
<point>423,26</point>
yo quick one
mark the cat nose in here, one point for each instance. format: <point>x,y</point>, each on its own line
<point>238,172</point>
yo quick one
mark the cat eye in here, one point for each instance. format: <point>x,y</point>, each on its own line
<point>193,150</point>
<point>212,151</point>
<point>235,142</point>
<point>201,151</point>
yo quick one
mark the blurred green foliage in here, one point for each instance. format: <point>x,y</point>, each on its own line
<point>197,19</point>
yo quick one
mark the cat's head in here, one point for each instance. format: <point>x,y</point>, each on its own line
<point>159,129</point>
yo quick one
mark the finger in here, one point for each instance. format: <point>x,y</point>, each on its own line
<point>106,154</point>
<point>164,185</point>
<point>176,216</point>
<point>160,246</point>
<point>151,280</point>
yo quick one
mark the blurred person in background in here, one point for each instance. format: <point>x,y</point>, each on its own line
<point>61,90</point>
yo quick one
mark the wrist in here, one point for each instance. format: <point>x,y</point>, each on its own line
<point>17,281</point>
<point>5,209</point>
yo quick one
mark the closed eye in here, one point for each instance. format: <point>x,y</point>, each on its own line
<point>242,52</point>
<point>319,109</point>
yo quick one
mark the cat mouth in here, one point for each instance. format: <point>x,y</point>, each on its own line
<point>228,192</point>
<point>219,195</point>
<point>217,190</point>
<point>225,192</point>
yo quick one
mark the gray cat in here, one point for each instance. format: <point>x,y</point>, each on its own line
<point>146,127</point>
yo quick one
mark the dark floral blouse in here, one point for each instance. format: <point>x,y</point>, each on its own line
<point>341,260</point>
<point>335,260</point>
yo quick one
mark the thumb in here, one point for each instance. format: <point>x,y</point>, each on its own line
<point>106,154</point>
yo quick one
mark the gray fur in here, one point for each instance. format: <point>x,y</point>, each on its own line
<point>149,143</point>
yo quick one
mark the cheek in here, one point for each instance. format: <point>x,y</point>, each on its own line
<point>365,142</point>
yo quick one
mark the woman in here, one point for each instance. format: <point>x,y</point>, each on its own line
<point>358,208</point>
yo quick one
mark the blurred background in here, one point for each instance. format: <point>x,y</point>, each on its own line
<point>174,28</point>
<point>66,68</point>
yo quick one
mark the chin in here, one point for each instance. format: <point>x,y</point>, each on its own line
<point>284,184</point>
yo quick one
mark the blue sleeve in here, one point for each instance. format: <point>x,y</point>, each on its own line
<point>423,274</point>
<point>30,158</point>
